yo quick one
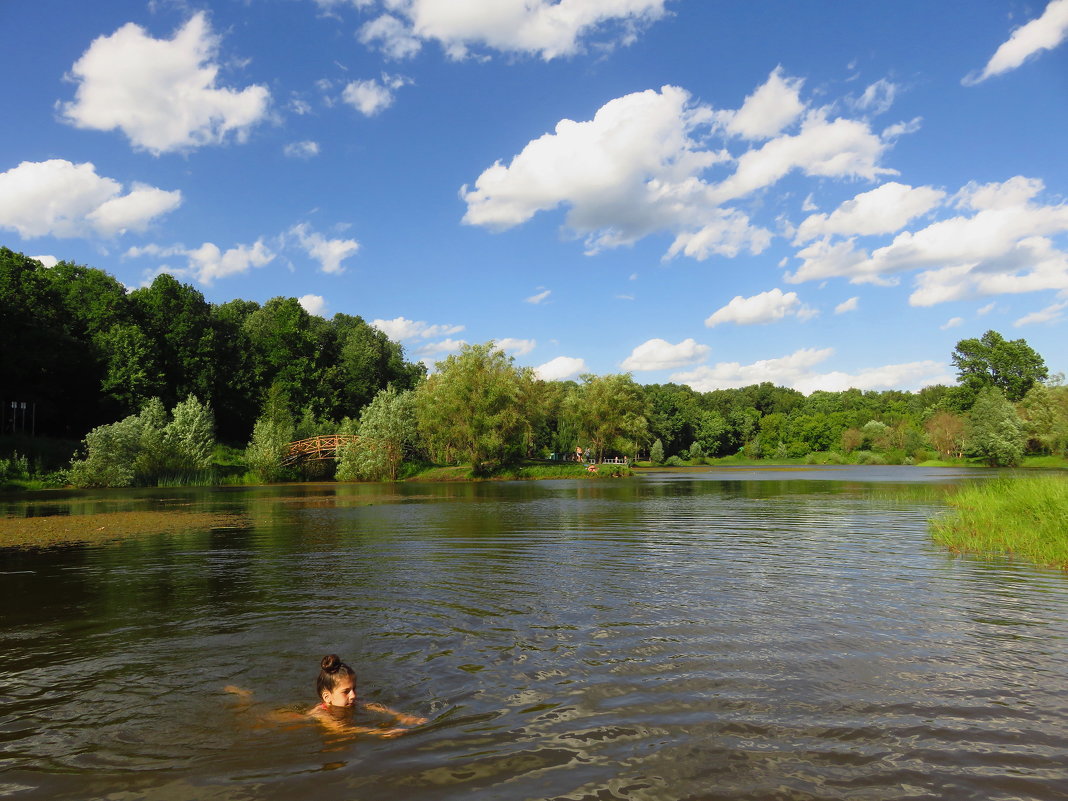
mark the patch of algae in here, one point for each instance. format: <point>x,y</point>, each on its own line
<point>40,532</point>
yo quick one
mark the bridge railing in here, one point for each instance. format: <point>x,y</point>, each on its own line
<point>323,446</point>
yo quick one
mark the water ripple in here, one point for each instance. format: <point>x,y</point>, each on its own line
<point>680,637</point>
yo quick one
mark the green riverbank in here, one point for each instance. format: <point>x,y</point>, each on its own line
<point>1023,517</point>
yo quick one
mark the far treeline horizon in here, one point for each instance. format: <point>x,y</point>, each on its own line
<point>85,352</point>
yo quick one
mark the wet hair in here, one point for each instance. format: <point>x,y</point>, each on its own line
<point>332,669</point>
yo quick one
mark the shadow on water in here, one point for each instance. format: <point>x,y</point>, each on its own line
<point>734,634</point>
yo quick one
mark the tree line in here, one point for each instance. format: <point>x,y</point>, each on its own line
<point>85,351</point>
<point>94,356</point>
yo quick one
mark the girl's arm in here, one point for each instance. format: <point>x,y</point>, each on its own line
<point>398,717</point>
<point>342,727</point>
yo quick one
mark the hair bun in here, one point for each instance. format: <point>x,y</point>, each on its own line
<point>331,663</point>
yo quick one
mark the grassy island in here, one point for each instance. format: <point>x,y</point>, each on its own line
<point>1024,517</point>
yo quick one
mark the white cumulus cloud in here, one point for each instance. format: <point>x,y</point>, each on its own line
<point>561,368</point>
<point>769,109</point>
<point>313,304</point>
<point>58,198</point>
<point>209,262</point>
<point>538,27</point>
<point>401,328</point>
<point>766,307</point>
<point>330,253</point>
<point>798,371</point>
<point>649,162</point>
<point>1043,33</point>
<point>1001,241</point>
<point>952,322</point>
<point>161,93</point>
<point>659,354</point>
<point>373,96</point>
<point>441,348</point>
<point>520,347</point>
<point>47,260</point>
<point>393,35</point>
<point>883,210</point>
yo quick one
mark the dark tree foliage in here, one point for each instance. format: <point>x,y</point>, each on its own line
<point>675,415</point>
<point>74,342</point>
<point>42,361</point>
<point>181,332</point>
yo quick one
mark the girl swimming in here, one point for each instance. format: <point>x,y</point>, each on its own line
<point>336,688</point>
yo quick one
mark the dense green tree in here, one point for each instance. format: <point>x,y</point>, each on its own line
<point>387,431</point>
<point>133,373</point>
<point>271,436</point>
<point>744,426</point>
<point>611,413</point>
<point>772,433</point>
<point>1045,414</point>
<point>286,352</point>
<point>809,433</point>
<point>81,350</point>
<point>767,398</point>
<point>992,361</point>
<point>713,433</point>
<point>110,453</point>
<point>93,300</point>
<point>179,323</point>
<point>42,363</point>
<point>554,432</point>
<point>146,447</point>
<point>367,362</point>
<point>674,415</point>
<point>475,408</point>
<point>995,432</point>
<point>190,435</point>
<point>873,432</point>
<point>237,396</point>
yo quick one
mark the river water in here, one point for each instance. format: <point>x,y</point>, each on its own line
<point>716,634</point>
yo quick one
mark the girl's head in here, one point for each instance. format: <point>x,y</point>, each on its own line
<point>336,685</point>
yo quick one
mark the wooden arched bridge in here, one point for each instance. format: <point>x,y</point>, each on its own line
<point>324,446</point>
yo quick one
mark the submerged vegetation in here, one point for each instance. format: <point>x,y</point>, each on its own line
<point>1025,517</point>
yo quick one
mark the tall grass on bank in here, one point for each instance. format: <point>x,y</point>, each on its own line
<point>1025,517</point>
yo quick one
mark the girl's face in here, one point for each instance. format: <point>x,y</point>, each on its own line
<point>343,694</point>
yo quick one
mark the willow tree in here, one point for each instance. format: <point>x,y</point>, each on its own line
<point>477,408</point>
<point>386,432</point>
<point>611,413</point>
<point>148,447</point>
<point>271,436</point>
<point>995,432</point>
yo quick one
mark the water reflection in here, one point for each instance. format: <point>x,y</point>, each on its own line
<point>705,635</point>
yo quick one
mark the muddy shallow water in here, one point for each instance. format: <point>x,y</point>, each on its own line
<point>746,634</point>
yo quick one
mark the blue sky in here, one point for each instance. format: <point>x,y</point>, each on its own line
<point>817,194</point>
